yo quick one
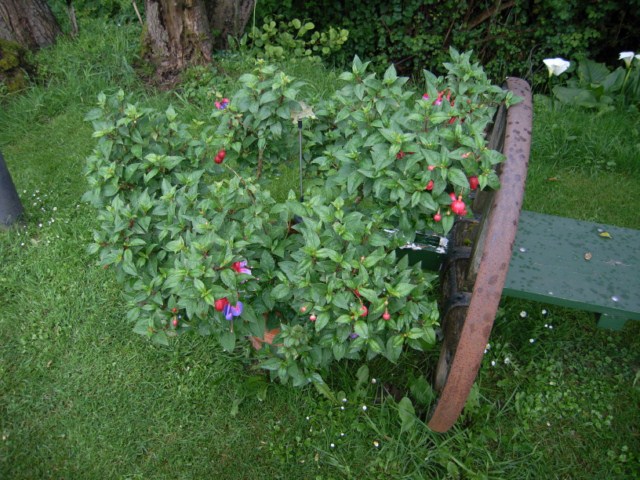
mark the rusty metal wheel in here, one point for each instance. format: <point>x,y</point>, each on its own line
<point>475,272</point>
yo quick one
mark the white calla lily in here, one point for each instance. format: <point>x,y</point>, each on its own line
<point>627,57</point>
<point>556,66</point>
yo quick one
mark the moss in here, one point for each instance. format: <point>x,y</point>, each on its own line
<point>11,55</point>
<point>17,82</point>
<point>12,65</point>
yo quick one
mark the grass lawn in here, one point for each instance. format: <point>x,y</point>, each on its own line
<point>82,396</point>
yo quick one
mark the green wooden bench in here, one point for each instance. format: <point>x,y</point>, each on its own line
<point>506,252</point>
<point>582,265</point>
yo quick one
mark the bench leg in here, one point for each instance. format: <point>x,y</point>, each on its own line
<point>611,322</point>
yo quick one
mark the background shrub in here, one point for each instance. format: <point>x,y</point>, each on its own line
<point>508,38</point>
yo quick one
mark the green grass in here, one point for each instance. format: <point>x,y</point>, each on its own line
<point>81,396</point>
<point>584,165</point>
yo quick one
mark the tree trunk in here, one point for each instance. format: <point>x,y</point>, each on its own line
<point>177,36</point>
<point>28,22</point>
<point>228,18</point>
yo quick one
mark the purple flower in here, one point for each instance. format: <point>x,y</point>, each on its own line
<point>222,104</point>
<point>230,311</point>
<point>353,335</point>
<point>241,267</point>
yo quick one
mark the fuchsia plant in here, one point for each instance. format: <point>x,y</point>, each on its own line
<point>297,284</point>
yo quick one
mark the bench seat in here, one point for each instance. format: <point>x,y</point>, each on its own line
<point>577,264</point>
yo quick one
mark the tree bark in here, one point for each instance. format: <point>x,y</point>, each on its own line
<point>28,22</point>
<point>228,18</point>
<point>177,36</point>
<point>72,18</point>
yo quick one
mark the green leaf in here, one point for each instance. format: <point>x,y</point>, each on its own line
<point>266,262</point>
<point>369,294</point>
<point>171,113</point>
<point>362,329</point>
<point>93,114</point>
<point>403,289</point>
<point>322,321</point>
<point>199,286</point>
<point>160,338</point>
<point>362,375</point>
<point>248,79</point>
<point>280,292</point>
<point>422,391</point>
<point>127,264</point>
<point>457,177</point>
<point>429,335</point>
<point>390,75</point>
<point>394,348</point>
<point>374,257</point>
<point>407,414</point>
<point>339,350</point>
<point>328,253</point>
<point>324,390</point>
<point>228,340</point>
<point>447,223</point>
<point>175,245</point>
<point>229,278</point>
<point>142,327</point>
<point>347,76</point>
<point>271,364</point>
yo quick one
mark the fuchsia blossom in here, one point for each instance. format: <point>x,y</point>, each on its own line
<point>241,267</point>
<point>425,96</point>
<point>222,104</point>
<point>231,311</point>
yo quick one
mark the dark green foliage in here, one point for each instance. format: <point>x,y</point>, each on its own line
<point>509,38</point>
<point>594,86</point>
<point>119,11</point>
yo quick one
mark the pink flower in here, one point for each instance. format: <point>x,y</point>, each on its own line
<point>241,267</point>
<point>425,96</point>
<point>222,104</point>
<point>232,311</point>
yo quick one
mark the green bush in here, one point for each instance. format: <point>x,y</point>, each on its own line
<point>508,38</point>
<point>201,245</point>
<point>279,39</point>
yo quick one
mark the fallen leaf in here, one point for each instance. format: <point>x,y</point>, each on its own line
<point>257,342</point>
<point>605,235</point>
<point>552,179</point>
<point>270,335</point>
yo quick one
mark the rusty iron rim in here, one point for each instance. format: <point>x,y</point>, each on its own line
<point>501,227</point>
